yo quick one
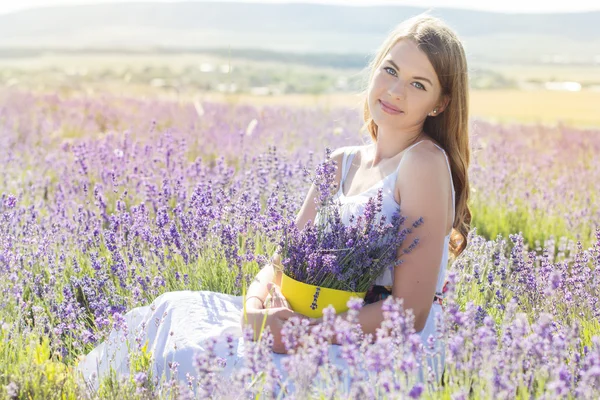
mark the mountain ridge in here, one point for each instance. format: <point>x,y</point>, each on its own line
<point>294,27</point>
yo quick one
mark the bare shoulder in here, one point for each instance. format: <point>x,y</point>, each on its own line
<point>423,164</point>
<point>425,157</point>
<point>423,186</point>
<point>338,154</point>
<point>340,151</point>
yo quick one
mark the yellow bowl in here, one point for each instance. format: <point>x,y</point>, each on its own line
<point>310,300</point>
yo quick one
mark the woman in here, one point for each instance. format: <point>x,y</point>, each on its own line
<point>416,111</point>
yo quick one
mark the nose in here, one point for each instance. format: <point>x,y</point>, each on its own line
<point>397,89</point>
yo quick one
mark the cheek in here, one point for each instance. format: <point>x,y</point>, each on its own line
<point>376,87</point>
<point>378,81</point>
<point>371,97</point>
<point>426,105</point>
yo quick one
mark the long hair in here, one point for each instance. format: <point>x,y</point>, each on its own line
<point>450,129</point>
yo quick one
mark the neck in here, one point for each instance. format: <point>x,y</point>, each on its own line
<point>389,144</point>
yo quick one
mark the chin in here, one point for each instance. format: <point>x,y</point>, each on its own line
<point>382,118</point>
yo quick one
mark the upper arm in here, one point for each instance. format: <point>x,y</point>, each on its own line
<point>423,182</point>
<point>308,211</point>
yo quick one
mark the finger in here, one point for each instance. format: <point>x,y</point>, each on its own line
<point>269,303</point>
<point>275,299</point>
<point>278,299</point>
<point>287,313</point>
<point>279,294</point>
<point>284,302</point>
<point>277,302</point>
<point>276,259</point>
<point>279,349</point>
<point>276,289</point>
<point>302,317</point>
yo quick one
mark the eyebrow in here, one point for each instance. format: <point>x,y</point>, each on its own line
<point>414,77</point>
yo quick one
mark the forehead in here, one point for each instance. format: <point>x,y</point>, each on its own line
<point>407,55</point>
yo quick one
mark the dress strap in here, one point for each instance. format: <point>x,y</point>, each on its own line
<point>405,150</point>
<point>413,145</point>
<point>346,163</point>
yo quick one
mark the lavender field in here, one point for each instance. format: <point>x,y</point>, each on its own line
<point>107,202</point>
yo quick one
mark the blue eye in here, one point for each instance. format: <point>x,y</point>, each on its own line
<point>387,69</point>
<point>392,72</point>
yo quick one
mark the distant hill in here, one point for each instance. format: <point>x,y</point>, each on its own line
<point>296,28</point>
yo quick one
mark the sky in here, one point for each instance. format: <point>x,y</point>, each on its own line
<point>510,6</point>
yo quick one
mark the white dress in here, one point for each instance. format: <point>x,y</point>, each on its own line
<point>179,325</point>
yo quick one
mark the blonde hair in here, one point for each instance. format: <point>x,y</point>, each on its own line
<point>450,129</point>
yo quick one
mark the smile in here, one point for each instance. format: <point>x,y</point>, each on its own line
<point>388,108</point>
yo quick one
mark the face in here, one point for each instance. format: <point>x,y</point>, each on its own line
<point>405,88</point>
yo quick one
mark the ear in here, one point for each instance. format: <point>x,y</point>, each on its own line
<point>443,103</point>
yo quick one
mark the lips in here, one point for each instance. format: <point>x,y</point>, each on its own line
<point>388,108</point>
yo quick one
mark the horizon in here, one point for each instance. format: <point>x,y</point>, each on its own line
<point>509,6</point>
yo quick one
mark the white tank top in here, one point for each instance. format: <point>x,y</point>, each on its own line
<point>355,204</point>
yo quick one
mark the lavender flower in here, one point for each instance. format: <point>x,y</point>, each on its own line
<point>334,255</point>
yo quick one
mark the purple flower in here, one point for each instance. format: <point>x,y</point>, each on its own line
<point>336,255</point>
<point>416,391</point>
<point>140,378</point>
<point>10,201</point>
<point>12,390</point>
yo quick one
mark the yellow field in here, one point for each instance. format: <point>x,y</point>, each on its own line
<point>544,72</point>
<point>547,107</point>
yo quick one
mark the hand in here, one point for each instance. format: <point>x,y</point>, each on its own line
<point>317,321</point>
<point>276,311</point>
<point>278,317</point>
<point>275,298</point>
<point>275,318</point>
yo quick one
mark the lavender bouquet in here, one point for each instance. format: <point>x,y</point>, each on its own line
<point>347,257</point>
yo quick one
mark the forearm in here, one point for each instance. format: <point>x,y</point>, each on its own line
<point>255,297</point>
<point>370,318</point>
<point>252,313</point>
<point>257,291</point>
